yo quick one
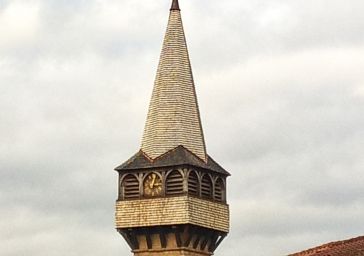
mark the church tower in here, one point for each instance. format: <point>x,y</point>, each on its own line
<point>172,194</point>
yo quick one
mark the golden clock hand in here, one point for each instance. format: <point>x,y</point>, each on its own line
<point>153,181</point>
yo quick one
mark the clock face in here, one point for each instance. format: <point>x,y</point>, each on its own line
<point>152,185</point>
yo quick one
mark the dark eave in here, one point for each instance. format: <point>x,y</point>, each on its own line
<point>175,157</point>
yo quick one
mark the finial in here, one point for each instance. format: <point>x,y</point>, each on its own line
<point>175,5</point>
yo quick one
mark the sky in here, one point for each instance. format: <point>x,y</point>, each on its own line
<point>280,86</point>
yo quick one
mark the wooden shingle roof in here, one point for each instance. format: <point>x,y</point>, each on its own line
<point>173,119</point>
<point>350,247</point>
<point>178,156</point>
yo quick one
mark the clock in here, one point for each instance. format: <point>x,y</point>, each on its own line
<point>152,185</point>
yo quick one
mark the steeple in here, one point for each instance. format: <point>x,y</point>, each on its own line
<point>175,5</point>
<point>172,195</point>
<point>173,119</point>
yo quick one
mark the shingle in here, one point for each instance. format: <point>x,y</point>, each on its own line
<point>176,157</point>
<point>173,118</point>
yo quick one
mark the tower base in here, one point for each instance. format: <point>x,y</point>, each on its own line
<point>179,240</point>
<point>169,252</point>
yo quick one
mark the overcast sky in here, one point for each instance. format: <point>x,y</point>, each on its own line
<point>280,85</point>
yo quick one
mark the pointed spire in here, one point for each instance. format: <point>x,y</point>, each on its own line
<point>175,5</point>
<point>173,119</point>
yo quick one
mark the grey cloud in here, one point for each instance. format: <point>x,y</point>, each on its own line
<point>253,28</point>
<point>281,94</point>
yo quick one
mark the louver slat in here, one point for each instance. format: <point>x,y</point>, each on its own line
<point>131,187</point>
<point>219,190</point>
<point>206,187</point>
<point>193,185</point>
<point>174,183</point>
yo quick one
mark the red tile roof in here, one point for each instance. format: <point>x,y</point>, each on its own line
<point>351,247</point>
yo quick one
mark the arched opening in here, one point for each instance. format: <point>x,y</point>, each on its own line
<point>193,184</point>
<point>219,190</point>
<point>130,187</point>
<point>206,187</point>
<point>174,183</point>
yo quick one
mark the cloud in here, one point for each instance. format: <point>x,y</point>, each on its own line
<point>16,31</point>
<point>280,88</point>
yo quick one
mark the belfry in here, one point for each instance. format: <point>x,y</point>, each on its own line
<point>172,194</point>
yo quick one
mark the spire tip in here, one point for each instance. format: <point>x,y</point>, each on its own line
<point>175,6</point>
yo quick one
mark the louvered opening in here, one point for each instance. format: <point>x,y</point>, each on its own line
<point>174,183</point>
<point>131,187</point>
<point>219,190</point>
<point>193,185</point>
<point>206,187</point>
